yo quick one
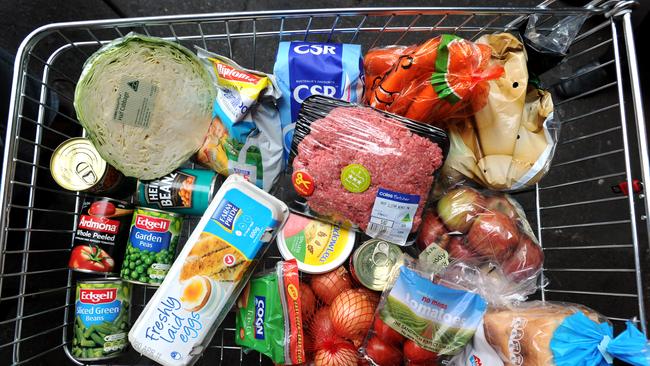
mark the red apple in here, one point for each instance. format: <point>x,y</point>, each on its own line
<point>459,207</point>
<point>502,204</point>
<point>431,230</point>
<point>525,261</point>
<point>458,250</point>
<point>493,235</point>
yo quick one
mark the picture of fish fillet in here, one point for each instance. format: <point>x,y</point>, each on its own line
<point>207,258</point>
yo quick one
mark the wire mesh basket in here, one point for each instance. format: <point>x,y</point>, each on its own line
<point>595,238</point>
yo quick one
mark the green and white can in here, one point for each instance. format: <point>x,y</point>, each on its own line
<point>151,248</point>
<point>185,191</point>
<point>101,323</point>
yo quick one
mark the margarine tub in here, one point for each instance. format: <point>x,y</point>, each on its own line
<point>318,247</point>
<point>205,280</point>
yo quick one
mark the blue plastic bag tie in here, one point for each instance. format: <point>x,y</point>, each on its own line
<point>602,347</point>
<point>580,341</point>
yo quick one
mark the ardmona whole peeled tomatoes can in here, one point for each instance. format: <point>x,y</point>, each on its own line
<point>151,248</point>
<point>185,191</point>
<point>101,322</point>
<point>101,235</point>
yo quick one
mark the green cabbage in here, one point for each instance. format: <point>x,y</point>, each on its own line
<point>146,104</point>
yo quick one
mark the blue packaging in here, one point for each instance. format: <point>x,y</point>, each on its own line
<point>303,69</point>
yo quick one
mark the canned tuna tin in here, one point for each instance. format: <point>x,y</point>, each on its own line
<point>186,191</point>
<point>101,319</point>
<point>372,263</point>
<point>101,235</point>
<point>76,166</point>
<point>151,247</point>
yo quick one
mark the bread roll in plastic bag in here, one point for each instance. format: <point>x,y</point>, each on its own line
<point>441,79</point>
<point>551,334</point>
<point>509,143</point>
<point>485,228</point>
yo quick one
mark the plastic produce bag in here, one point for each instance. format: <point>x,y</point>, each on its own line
<point>443,78</point>
<point>549,334</point>
<point>421,320</point>
<point>245,136</point>
<point>485,228</point>
<point>509,143</point>
<point>359,167</point>
<point>269,317</point>
<point>560,37</point>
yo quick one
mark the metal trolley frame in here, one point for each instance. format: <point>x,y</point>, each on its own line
<point>595,240</point>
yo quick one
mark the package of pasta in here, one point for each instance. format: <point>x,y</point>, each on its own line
<point>509,143</point>
<point>439,80</point>
<point>551,334</point>
<point>269,318</point>
<point>245,136</point>
<point>362,168</point>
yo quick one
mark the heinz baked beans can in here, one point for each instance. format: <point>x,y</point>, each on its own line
<point>101,323</point>
<point>101,235</point>
<point>184,191</point>
<point>151,248</point>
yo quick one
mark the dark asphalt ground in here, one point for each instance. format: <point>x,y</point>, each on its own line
<point>18,19</point>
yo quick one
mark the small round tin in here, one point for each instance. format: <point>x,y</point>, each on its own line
<point>77,166</point>
<point>372,263</point>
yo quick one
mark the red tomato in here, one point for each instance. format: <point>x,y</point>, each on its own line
<point>386,333</point>
<point>90,258</point>
<point>417,354</point>
<point>101,208</point>
<point>382,353</point>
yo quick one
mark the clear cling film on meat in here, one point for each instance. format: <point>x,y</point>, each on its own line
<point>362,168</point>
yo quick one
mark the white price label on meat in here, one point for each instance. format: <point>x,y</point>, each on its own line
<point>392,216</point>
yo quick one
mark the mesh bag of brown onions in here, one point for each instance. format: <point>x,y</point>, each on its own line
<point>337,314</point>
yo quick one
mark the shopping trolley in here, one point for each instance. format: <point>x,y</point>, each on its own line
<point>589,212</point>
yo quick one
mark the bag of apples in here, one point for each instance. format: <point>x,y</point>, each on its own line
<point>483,228</point>
<point>337,315</point>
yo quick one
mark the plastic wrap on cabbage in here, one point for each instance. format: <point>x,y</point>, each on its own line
<point>146,104</point>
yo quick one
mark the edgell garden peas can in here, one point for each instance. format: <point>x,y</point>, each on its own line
<point>101,321</point>
<point>151,247</point>
<point>185,191</point>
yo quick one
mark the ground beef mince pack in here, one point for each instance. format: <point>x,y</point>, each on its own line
<point>303,69</point>
<point>362,168</point>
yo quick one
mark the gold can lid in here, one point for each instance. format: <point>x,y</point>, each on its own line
<point>76,165</point>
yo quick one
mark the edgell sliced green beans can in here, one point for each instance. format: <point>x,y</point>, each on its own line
<point>101,319</point>
<point>151,247</point>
